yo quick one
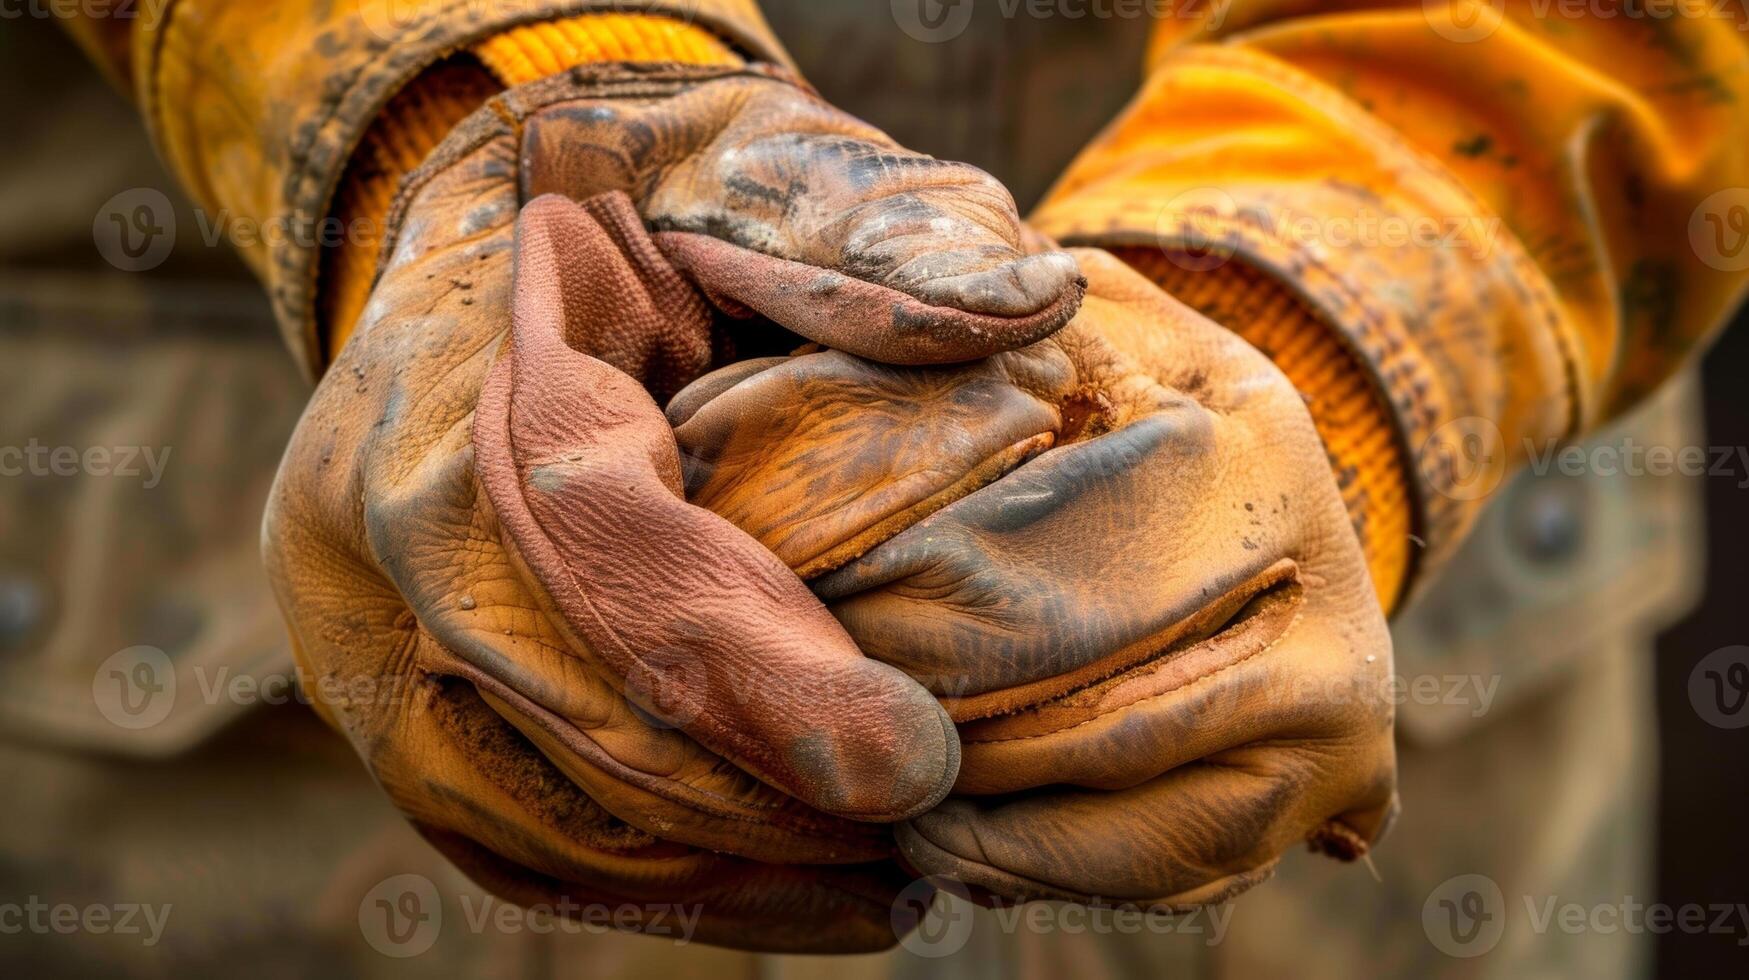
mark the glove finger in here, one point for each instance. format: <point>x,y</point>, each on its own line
<point>742,905</point>
<point>439,544</point>
<point>466,778</point>
<point>1196,835</point>
<point>1087,561</point>
<point>451,763</point>
<point>582,471</point>
<point>868,319</point>
<point>401,399</point>
<point>703,801</point>
<point>641,769</point>
<point>821,457</point>
<point>1277,672</point>
<point>508,817</point>
<point>813,218</point>
<point>1207,691</point>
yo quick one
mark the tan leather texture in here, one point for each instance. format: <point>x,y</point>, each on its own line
<point>1120,558</point>
<point>257,106</point>
<point>574,682</point>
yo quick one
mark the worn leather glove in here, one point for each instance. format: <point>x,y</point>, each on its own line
<point>573,682</point>
<point>1120,558</point>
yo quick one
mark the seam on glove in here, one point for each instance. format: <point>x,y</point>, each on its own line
<point>1192,683</point>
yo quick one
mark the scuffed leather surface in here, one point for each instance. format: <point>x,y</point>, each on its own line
<point>1124,566</point>
<point>581,471</point>
<point>777,204</point>
<point>540,650</point>
<point>258,106</point>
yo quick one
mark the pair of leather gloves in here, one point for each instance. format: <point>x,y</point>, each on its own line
<point>1052,594</point>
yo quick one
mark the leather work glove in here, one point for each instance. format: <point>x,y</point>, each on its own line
<point>1120,558</point>
<point>572,681</point>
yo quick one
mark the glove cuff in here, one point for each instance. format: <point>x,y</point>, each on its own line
<point>534,51</point>
<point>423,113</point>
<point>1425,291</point>
<point>259,107</point>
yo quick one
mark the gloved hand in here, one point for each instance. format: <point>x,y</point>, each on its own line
<point>1120,558</point>
<point>573,682</point>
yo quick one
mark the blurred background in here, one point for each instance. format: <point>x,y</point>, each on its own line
<point>139,564</point>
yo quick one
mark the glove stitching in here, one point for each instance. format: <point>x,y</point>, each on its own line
<point>1142,668</point>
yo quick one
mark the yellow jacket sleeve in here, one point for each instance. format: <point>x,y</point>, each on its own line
<point>1514,217</point>
<point>260,107</point>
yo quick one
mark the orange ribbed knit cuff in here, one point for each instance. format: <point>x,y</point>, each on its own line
<point>418,119</point>
<point>535,51</point>
<point>1354,421</point>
